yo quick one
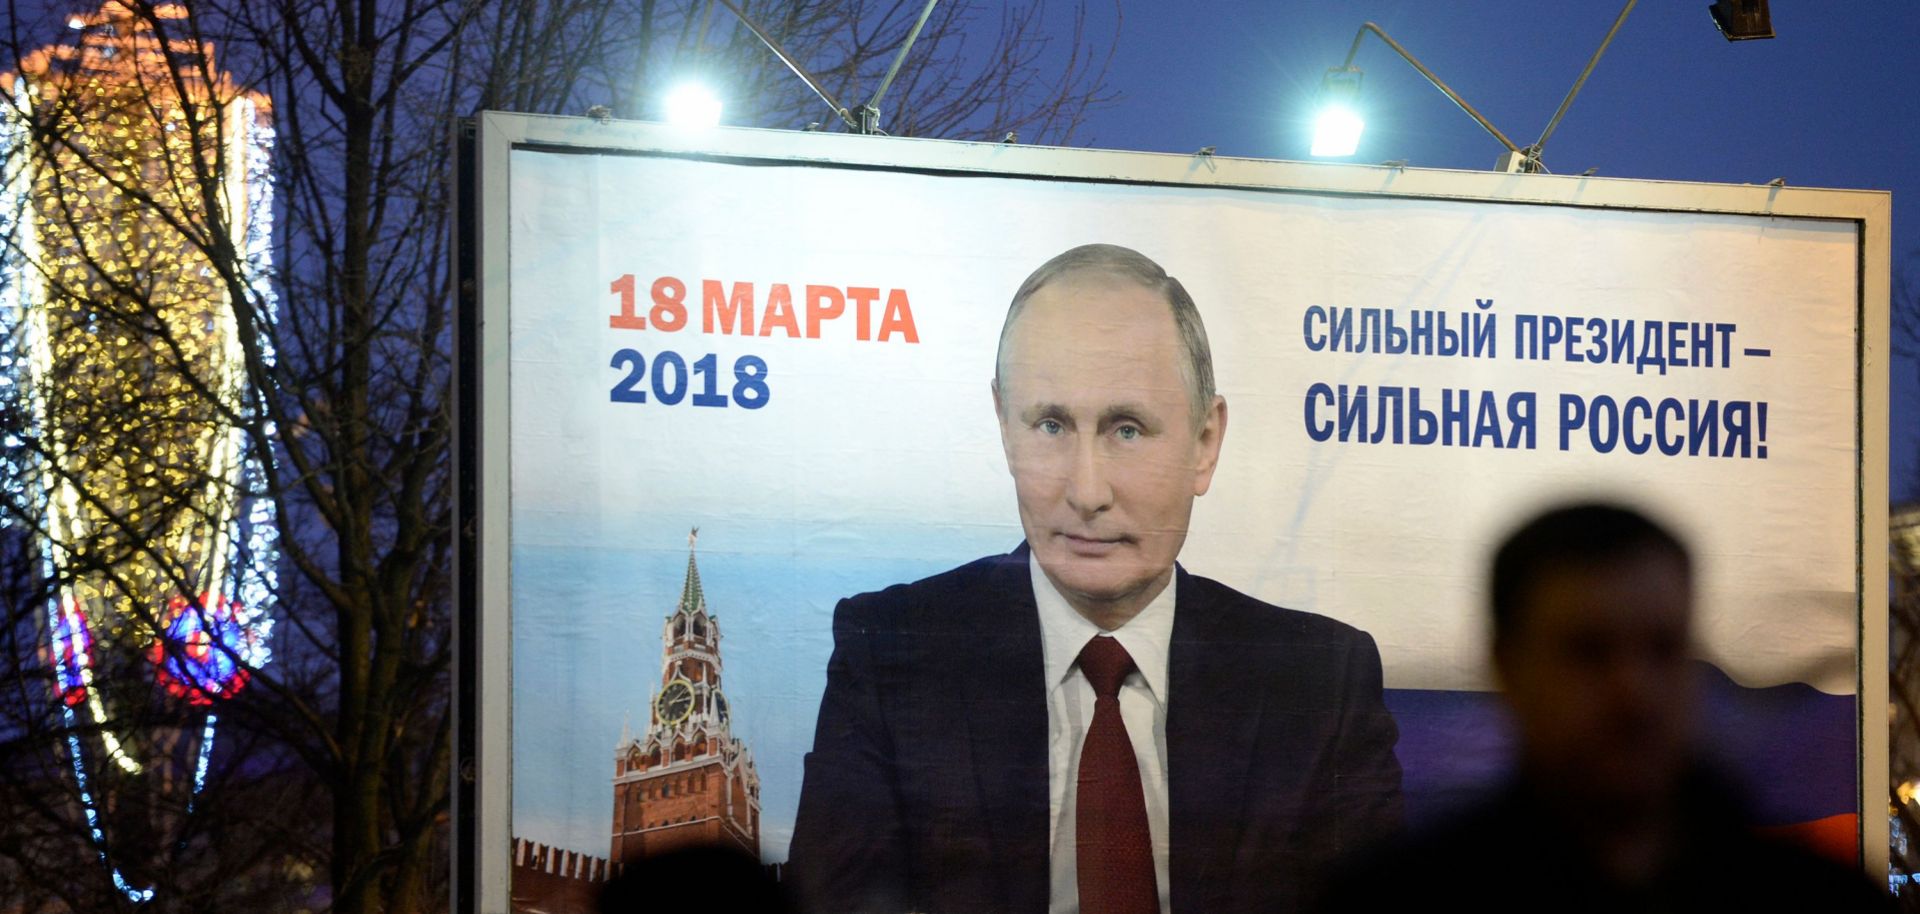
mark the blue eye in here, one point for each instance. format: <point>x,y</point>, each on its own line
<point>1127,432</point>
<point>1051,427</point>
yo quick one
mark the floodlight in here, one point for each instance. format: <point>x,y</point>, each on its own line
<point>1337,128</point>
<point>692,105</point>
<point>1741,20</point>
<point>1737,19</point>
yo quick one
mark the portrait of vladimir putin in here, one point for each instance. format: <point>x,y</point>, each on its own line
<point>1081,724</point>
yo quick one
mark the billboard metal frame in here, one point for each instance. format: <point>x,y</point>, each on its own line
<point>483,770</point>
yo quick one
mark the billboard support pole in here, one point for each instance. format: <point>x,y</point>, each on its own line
<point>1540,145</point>
<point>1518,158</point>
<point>870,112</point>
<point>1431,76</point>
<point>793,65</point>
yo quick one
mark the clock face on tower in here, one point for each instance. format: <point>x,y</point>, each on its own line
<point>675,702</point>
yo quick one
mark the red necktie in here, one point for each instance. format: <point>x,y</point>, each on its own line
<point>1114,849</point>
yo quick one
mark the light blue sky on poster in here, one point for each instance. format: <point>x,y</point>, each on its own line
<point>587,652</point>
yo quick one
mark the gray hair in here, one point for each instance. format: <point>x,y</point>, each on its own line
<point>1127,263</point>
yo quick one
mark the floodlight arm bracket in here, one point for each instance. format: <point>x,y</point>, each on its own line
<point>1540,144</point>
<point>870,112</point>
<point>1429,74</point>
<point>839,110</point>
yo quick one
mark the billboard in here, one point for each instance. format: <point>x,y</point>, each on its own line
<point>725,381</point>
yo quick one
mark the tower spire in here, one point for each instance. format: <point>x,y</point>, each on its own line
<point>692,598</point>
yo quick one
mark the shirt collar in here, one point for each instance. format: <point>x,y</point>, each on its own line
<point>1063,632</point>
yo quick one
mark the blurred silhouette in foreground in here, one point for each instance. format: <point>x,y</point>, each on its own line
<point>695,879</point>
<point>1609,809</point>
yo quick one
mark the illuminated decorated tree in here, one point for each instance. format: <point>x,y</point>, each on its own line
<point>125,390</point>
<point>176,421</point>
<point>1903,661</point>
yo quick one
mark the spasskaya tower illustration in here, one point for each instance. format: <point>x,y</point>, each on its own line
<point>686,780</point>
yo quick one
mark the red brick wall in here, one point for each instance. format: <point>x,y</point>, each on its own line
<point>557,881</point>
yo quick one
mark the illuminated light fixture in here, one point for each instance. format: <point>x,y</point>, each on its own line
<point>1337,128</point>
<point>1742,20</point>
<point>692,105</point>
<point>207,650</point>
<point>1345,80</point>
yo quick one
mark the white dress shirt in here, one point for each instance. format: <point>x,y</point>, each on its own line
<point>1143,708</point>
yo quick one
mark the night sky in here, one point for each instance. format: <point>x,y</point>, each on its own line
<point>1830,102</point>
<point>1827,103</point>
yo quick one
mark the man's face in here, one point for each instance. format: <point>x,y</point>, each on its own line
<point>1597,675</point>
<point>1097,423</point>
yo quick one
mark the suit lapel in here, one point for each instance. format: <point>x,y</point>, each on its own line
<point>1006,721</point>
<point>1213,724</point>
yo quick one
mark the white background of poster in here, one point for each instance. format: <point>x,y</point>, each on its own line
<point>878,462</point>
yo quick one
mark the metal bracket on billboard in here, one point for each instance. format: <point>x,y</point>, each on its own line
<point>792,64</point>
<point>1540,145</point>
<point>1432,77</point>
<point>866,119</point>
<point>1517,158</point>
<point>870,112</point>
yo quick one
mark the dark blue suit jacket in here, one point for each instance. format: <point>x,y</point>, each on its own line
<point>926,789</point>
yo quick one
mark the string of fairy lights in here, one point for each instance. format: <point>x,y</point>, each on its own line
<point>122,372</point>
